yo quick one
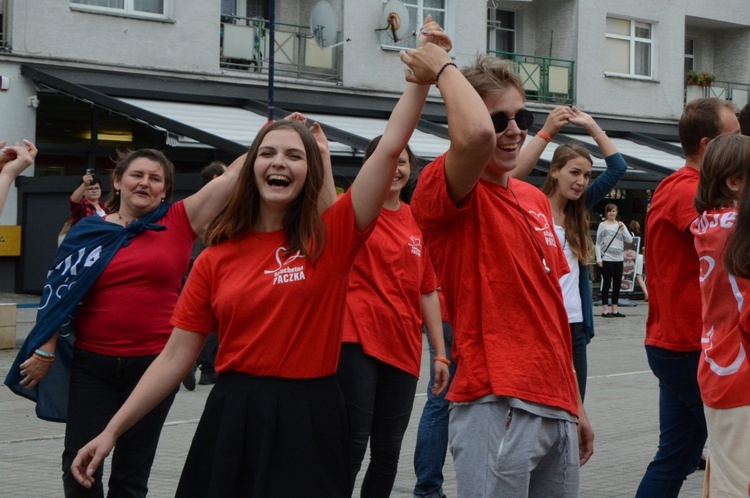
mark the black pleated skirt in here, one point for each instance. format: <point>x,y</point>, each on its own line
<point>270,437</point>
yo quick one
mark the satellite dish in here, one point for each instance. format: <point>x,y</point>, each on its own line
<point>396,20</point>
<point>323,24</point>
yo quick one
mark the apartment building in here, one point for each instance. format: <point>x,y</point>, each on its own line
<point>192,77</point>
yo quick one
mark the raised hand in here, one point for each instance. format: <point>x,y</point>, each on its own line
<point>432,32</point>
<point>559,117</point>
<point>424,63</point>
<point>16,158</point>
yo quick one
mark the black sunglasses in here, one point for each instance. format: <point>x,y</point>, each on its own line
<point>524,119</point>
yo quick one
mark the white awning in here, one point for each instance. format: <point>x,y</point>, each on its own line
<point>241,126</point>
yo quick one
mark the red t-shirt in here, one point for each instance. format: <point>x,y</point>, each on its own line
<point>127,310</point>
<point>724,372</point>
<point>389,276</point>
<point>674,308</point>
<point>511,332</point>
<point>276,314</point>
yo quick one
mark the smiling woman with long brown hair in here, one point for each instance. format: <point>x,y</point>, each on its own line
<point>273,285</point>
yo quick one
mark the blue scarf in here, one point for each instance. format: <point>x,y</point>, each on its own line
<point>85,252</point>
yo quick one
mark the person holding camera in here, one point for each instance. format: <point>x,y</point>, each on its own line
<point>84,201</point>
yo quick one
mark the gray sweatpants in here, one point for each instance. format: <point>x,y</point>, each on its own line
<point>500,451</point>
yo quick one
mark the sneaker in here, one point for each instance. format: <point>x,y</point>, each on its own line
<point>606,315</point>
<point>208,378</point>
<point>189,380</point>
<point>618,315</point>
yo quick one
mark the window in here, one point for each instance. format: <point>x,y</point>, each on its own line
<point>689,54</point>
<point>245,8</point>
<point>501,30</point>
<point>629,47</point>
<point>156,9</point>
<point>3,24</point>
<point>418,10</point>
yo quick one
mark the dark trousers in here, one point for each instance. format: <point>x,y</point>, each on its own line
<point>611,277</point>
<point>99,385</point>
<point>580,360</point>
<point>379,400</point>
<point>682,425</point>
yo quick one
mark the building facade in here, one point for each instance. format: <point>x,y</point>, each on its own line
<point>82,78</point>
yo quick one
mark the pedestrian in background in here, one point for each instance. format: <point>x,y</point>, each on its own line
<point>611,236</point>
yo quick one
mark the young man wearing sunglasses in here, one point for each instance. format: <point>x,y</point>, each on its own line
<point>515,402</point>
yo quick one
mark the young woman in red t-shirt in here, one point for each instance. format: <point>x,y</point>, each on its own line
<point>723,372</point>
<point>392,291</point>
<point>273,284</point>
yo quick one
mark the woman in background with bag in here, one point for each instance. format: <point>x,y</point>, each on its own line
<point>610,255</point>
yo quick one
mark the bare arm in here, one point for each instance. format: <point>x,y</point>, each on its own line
<point>204,205</point>
<point>77,194</point>
<point>533,150</point>
<point>583,120</point>
<point>161,378</point>
<point>13,160</point>
<point>471,133</point>
<point>585,433</point>
<point>430,304</point>
<point>371,186</point>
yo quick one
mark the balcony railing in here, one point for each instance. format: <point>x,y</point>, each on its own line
<point>738,93</point>
<point>4,42</point>
<point>245,47</point>
<point>545,79</point>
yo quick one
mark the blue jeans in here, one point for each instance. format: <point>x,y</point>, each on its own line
<point>580,360</point>
<point>682,424</point>
<point>432,435</point>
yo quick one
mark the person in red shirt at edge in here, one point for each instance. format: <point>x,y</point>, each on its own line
<point>673,327</point>
<point>723,373</point>
<point>273,285</point>
<point>515,401</point>
<point>392,290</point>
<point>84,201</point>
<point>738,257</point>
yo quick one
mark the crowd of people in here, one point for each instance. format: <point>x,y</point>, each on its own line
<point>317,305</point>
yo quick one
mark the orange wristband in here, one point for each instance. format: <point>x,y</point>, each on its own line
<point>544,136</point>
<point>443,360</point>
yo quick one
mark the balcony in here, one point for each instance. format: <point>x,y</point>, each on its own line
<point>738,93</point>
<point>245,47</point>
<point>545,79</point>
<point>4,42</point>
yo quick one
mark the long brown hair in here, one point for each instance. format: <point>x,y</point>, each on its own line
<point>303,225</point>
<point>125,159</point>
<point>576,214</point>
<point>728,156</point>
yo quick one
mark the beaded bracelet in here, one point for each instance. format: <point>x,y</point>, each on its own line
<point>437,76</point>
<point>544,136</point>
<point>443,360</point>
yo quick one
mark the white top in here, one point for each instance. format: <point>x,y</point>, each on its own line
<point>569,282</point>
<point>614,251</point>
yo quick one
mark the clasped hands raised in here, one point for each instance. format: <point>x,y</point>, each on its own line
<point>431,54</point>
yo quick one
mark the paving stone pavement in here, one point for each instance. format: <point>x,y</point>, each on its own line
<point>622,404</point>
